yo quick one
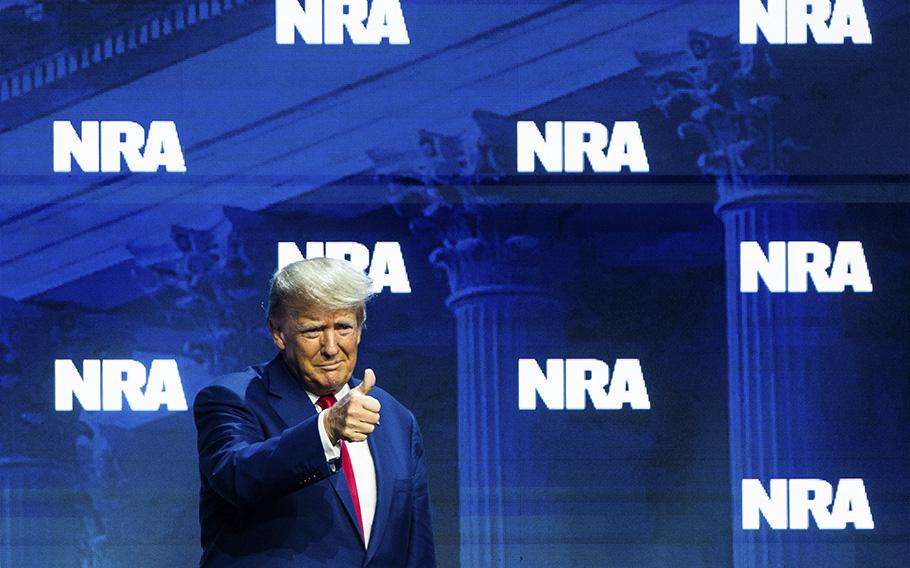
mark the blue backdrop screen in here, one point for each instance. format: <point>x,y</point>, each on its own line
<point>642,267</point>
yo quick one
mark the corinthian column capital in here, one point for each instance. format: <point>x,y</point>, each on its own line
<point>724,93</point>
<point>444,188</point>
<point>207,275</point>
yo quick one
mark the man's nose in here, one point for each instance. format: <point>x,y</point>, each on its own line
<point>329,343</point>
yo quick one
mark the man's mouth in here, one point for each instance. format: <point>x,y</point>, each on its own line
<point>330,366</point>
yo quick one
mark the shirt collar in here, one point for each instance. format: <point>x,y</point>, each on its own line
<point>338,395</point>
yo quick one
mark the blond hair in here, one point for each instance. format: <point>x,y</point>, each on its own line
<point>319,283</point>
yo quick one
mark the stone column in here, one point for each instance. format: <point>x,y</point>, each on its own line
<point>790,370</point>
<point>498,320</point>
<point>790,375</point>
<point>503,311</point>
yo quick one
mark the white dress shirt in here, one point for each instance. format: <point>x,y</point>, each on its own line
<point>361,459</point>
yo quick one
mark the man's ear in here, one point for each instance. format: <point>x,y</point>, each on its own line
<point>277,335</point>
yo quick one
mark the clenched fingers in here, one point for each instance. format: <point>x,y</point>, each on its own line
<point>353,418</point>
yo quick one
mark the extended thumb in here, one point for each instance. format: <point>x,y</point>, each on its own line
<point>369,379</point>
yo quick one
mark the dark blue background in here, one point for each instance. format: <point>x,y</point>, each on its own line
<point>298,143</point>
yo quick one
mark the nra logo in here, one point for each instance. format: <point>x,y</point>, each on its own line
<point>792,501</point>
<point>104,146</point>
<point>320,22</point>
<point>791,21</point>
<point>385,266</point>
<point>568,384</point>
<point>104,384</point>
<point>790,266</point>
<point>564,147</point>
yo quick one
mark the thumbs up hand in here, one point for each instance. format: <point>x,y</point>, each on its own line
<point>369,381</point>
<point>355,416</point>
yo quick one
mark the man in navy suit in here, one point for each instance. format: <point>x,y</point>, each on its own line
<point>297,468</point>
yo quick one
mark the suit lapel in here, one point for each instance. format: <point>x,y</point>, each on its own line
<point>383,491</point>
<point>288,398</point>
<point>340,484</point>
<point>292,403</point>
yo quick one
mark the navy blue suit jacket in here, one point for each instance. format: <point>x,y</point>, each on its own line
<point>268,497</point>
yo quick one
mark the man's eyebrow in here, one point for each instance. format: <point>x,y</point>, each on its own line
<point>315,326</point>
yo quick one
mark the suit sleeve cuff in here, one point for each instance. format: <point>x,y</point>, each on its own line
<point>332,452</point>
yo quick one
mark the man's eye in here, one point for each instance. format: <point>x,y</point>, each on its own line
<point>312,334</point>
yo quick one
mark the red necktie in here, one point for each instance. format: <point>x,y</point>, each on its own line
<point>326,402</point>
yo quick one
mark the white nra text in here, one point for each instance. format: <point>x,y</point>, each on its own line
<point>385,266</point>
<point>103,146</point>
<point>792,21</point>
<point>791,265</point>
<point>104,384</point>
<point>792,501</point>
<point>568,384</point>
<point>563,147</point>
<point>325,22</point>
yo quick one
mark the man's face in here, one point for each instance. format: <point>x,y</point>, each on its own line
<point>320,347</point>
